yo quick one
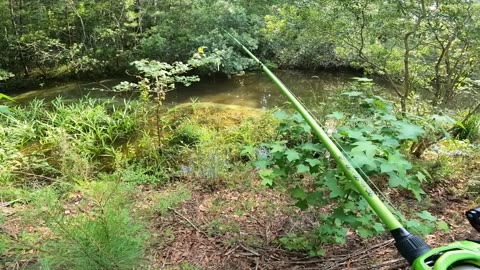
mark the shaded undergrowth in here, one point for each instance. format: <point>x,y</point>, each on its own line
<point>83,184</point>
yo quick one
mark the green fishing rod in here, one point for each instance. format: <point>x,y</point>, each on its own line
<point>457,255</point>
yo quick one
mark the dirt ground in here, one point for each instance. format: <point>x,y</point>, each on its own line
<point>249,225</point>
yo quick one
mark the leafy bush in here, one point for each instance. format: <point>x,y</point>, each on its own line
<point>372,138</point>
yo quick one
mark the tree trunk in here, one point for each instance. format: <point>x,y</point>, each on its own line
<point>17,37</point>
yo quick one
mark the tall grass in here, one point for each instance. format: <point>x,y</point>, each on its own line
<point>70,140</point>
<point>471,129</point>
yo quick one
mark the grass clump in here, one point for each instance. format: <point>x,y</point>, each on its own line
<point>189,134</point>
<point>471,129</point>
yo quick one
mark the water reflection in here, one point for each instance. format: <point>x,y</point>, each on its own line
<point>254,89</point>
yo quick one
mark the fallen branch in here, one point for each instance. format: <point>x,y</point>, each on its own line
<point>392,264</point>
<point>189,222</point>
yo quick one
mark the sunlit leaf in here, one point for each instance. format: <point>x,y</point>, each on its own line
<point>292,155</point>
<point>313,162</point>
<point>301,168</point>
<point>442,225</point>
<point>408,131</point>
<point>426,216</point>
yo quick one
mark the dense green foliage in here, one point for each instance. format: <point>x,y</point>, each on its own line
<point>83,178</point>
<point>373,138</point>
<point>418,46</point>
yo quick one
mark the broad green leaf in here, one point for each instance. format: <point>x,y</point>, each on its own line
<point>360,159</point>
<point>399,161</point>
<point>266,176</point>
<point>396,181</point>
<point>315,147</point>
<point>4,110</point>
<point>365,146</point>
<point>298,117</point>
<point>413,224</point>
<point>248,150</point>
<point>378,227</point>
<point>426,216</point>
<point>306,127</point>
<point>354,134</point>
<point>364,233</point>
<point>302,204</point>
<point>298,193</point>
<point>313,162</point>
<point>390,142</point>
<point>335,190</point>
<point>315,198</point>
<point>387,167</point>
<point>408,131</point>
<point>388,117</point>
<point>442,225</point>
<point>261,163</point>
<point>276,147</point>
<point>292,155</point>
<point>301,168</point>
<point>415,188</point>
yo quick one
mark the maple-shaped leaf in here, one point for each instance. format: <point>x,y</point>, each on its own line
<point>298,193</point>
<point>266,175</point>
<point>360,159</point>
<point>335,190</point>
<point>367,147</point>
<point>277,148</point>
<point>408,131</point>
<point>301,168</point>
<point>396,181</point>
<point>426,216</point>
<point>311,147</point>
<point>313,162</point>
<point>292,155</point>
<point>261,163</point>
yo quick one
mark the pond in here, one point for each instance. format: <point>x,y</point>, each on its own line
<point>252,89</point>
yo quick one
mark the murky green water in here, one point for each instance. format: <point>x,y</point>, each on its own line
<point>254,90</point>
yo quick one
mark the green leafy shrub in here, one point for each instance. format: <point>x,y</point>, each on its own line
<point>371,137</point>
<point>105,237</point>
